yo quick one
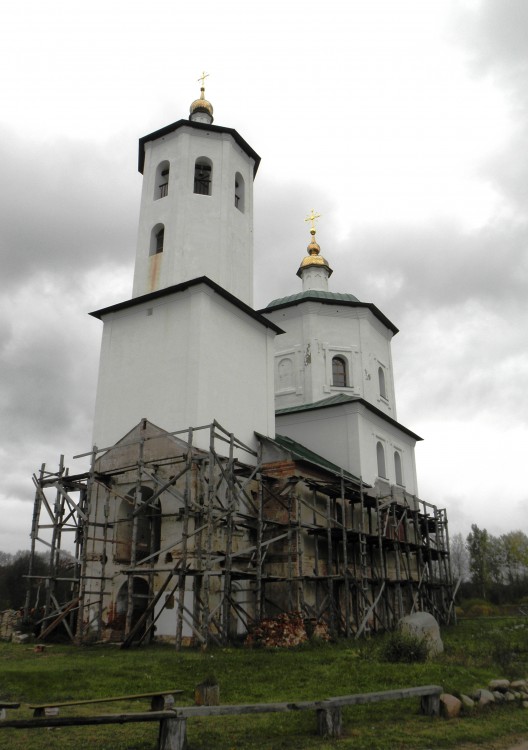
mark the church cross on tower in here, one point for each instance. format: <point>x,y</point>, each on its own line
<point>311,218</point>
<point>202,79</point>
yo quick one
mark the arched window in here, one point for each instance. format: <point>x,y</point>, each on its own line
<point>148,522</point>
<point>203,175</point>
<point>398,468</point>
<point>157,238</point>
<point>381,378</point>
<point>339,372</point>
<point>285,373</point>
<point>239,192</point>
<point>161,185</point>
<point>380,455</point>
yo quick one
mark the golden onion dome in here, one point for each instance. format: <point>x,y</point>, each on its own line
<point>314,258</point>
<point>201,104</point>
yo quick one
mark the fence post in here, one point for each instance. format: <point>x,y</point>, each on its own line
<point>173,734</point>
<point>430,705</point>
<point>329,722</point>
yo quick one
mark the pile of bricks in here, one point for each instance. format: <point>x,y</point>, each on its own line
<point>287,630</point>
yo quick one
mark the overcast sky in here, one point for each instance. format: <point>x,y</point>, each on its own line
<point>403,122</point>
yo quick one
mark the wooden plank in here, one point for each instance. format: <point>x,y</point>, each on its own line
<point>136,696</point>
<point>58,619</point>
<point>73,721</point>
<point>187,712</point>
<point>173,722</point>
<point>329,703</point>
<point>386,695</point>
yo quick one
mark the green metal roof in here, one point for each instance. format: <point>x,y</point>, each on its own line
<point>301,453</point>
<point>328,298</point>
<point>333,296</point>
<point>338,398</point>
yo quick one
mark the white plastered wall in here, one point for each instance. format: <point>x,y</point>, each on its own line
<point>314,334</point>
<point>184,360</point>
<point>205,235</point>
<point>347,435</point>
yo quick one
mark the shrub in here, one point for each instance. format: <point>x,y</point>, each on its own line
<point>402,647</point>
<point>481,610</point>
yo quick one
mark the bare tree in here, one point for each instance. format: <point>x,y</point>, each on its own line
<point>459,558</point>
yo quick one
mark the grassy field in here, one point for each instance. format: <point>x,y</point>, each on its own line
<point>475,652</point>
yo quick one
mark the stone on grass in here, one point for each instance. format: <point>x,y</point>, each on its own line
<point>499,697</point>
<point>501,685</point>
<point>449,706</point>
<point>484,697</point>
<point>524,704</point>
<point>509,696</point>
<point>519,684</point>
<point>423,625</point>
<point>466,701</point>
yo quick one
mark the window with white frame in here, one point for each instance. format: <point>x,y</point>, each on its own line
<point>339,372</point>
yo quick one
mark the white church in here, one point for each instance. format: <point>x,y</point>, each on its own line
<point>245,462</point>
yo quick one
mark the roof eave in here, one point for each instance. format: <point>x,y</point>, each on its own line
<point>197,126</point>
<point>183,286</point>
<point>351,399</point>
<point>345,303</point>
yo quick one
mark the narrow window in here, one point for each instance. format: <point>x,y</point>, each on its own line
<point>239,192</point>
<point>339,372</point>
<point>381,378</point>
<point>203,174</point>
<point>380,455</point>
<point>157,238</point>
<point>161,185</point>
<point>398,468</point>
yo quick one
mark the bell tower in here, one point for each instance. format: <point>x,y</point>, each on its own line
<point>196,213</point>
<point>188,349</point>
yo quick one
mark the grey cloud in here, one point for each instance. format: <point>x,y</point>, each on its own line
<point>65,204</point>
<point>441,265</point>
<point>495,32</point>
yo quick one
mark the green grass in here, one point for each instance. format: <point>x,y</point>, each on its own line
<point>475,652</point>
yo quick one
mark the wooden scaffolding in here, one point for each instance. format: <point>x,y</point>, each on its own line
<point>220,537</point>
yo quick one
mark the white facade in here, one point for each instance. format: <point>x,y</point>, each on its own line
<point>316,331</point>
<point>187,349</point>
<point>184,358</point>
<point>334,383</point>
<point>201,234</point>
<point>348,434</point>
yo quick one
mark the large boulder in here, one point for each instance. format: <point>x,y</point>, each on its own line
<point>449,706</point>
<point>500,685</point>
<point>484,697</point>
<point>423,625</point>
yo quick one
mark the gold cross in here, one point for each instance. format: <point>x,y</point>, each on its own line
<point>203,77</point>
<point>312,217</point>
